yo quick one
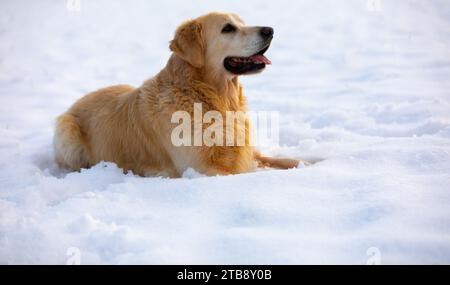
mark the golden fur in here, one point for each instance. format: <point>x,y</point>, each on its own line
<point>132,126</point>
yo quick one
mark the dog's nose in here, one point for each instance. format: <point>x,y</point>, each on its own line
<point>266,32</point>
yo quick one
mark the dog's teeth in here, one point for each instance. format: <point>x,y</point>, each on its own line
<point>242,60</point>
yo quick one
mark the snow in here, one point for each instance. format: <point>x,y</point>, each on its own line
<point>362,89</point>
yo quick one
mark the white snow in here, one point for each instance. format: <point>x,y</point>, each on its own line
<point>362,88</point>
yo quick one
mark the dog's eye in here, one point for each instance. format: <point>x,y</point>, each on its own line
<point>229,28</point>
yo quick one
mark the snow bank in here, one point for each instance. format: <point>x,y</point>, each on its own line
<point>362,89</point>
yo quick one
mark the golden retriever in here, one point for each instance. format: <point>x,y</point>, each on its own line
<point>132,126</point>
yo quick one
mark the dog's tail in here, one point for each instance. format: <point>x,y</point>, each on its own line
<point>69,143</point>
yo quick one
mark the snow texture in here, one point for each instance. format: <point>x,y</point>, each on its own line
<point>362,87</point>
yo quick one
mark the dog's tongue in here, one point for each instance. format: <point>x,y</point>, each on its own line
<point>261,58</point>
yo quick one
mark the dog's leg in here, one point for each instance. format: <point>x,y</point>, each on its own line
<point>224,160</point>
<point>279,163</point>
<point>157,172</point>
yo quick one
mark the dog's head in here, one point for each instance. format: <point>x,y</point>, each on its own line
<point>223,43</point>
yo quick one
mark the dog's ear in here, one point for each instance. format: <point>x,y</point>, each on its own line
<point>188,43</point>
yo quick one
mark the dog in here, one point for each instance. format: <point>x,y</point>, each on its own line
<point>132,126</point>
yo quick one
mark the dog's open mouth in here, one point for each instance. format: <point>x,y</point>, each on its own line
<point>246,65</point>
